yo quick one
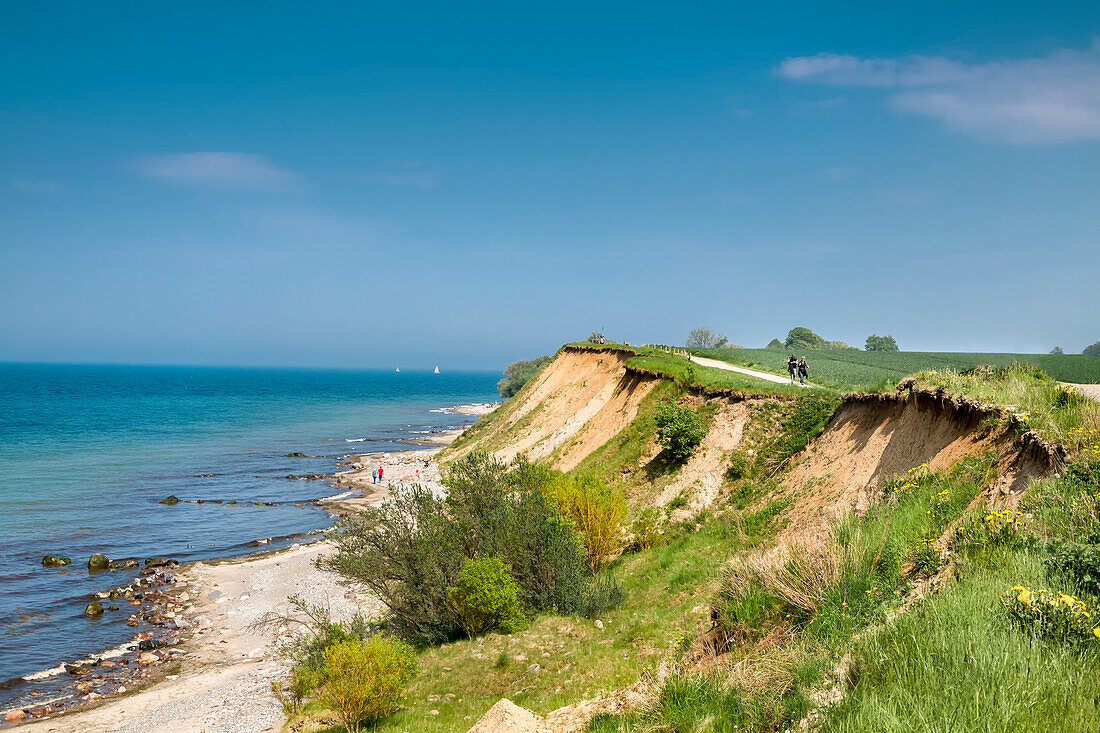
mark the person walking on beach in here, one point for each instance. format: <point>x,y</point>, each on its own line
<point>380,469</point>
<point>802,371</point>
<point>374,476</point>
<point>792,366</point>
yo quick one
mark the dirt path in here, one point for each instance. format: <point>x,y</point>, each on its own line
<point>703,361</point>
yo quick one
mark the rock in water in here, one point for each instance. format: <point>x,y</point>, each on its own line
<point>95,608</point>
<point>98,561</point>
<point>55,561</point>
<point>294,455</point>
<point>155,562</point>
<point>170,500</point>
<point>124,564</point>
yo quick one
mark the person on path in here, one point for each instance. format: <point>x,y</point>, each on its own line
<point>792,366</point>
<point>380,469</point>
<point>374,476</point>
<point>802,371</point>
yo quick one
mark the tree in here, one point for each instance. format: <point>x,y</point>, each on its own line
<point>837,345</point>
<point>705,337</point>
<point>881,343</point>
<point>801,337</point>
<point>1057,350</point>
<point>774,344</point>
<point>596,337</point>
<point>679,429</point>
<point>1093,350</point>
<point>518,373</point>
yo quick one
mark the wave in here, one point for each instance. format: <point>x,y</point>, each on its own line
<point>356,440</point>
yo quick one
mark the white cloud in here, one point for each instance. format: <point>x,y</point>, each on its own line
<point>1040,100</point>
<point>229,170</point>
<point>37,186</point>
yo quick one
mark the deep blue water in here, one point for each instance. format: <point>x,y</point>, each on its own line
<point>88,452</point>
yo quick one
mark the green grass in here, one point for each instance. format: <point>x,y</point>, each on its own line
<point>850,369</point>
<point>958,664</point>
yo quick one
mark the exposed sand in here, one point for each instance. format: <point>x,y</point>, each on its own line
<point>222,682</point>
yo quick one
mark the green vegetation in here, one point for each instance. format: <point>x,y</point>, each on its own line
<point>518,373</point>
<point>801,337</point>
<point>365,680</point>
<point>595,507</point>
<point>486,598</point>
<point>880,343</point>
<point>1059,413</point>
<point>705,337</point>
<point>410,550</point>
<point>861,370</point>
<point>1093,350</point>
<point>679,430</point>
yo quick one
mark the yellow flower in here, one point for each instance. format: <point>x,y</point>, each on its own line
<point>1096,632</point>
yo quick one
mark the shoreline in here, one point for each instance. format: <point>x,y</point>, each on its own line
<point>217,673</point>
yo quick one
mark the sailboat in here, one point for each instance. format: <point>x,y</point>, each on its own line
<point>398,370</point>
<point>437,369</point>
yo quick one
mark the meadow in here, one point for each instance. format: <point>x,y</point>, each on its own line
<point>853,369</point>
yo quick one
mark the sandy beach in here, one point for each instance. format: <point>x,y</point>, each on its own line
<point>218,679</point>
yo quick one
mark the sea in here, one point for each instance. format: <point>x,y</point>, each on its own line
<point>87,453</point>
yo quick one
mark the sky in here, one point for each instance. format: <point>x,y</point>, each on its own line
<point>464,184</point>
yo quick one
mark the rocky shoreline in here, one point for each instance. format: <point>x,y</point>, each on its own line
<point>200,635</point>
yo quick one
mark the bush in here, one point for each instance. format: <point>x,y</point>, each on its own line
<point>365,680</point>
<point>1077,563</point>
<point>412,548</point>
<point>518,373</point>
<point>596,508</point>
<point>647,528</point>
<point>1093,350</point>
<point>740,466</point>
<point>486,598</point>
<point>679,430</point>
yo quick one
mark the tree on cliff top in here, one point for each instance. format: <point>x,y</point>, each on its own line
<point>518,373</point>
<point>1093,350</point>
<point>705,337</point>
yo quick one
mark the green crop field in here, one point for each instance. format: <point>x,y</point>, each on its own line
<point>849,369</point>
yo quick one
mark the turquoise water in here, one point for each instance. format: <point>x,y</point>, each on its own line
<point>88,452</point>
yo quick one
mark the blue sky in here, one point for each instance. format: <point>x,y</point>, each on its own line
<point>367,184</point>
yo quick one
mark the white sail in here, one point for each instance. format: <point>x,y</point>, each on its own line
<point>398,370</point>
<point>437,369</point>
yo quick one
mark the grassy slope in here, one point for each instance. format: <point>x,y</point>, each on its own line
<point>850,369</point>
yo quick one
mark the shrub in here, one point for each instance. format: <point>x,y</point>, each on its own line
<point>365,680</point>
<point>1067,396</point>
<point>647,528</point>
<point>298,687</point>
<point>1051,615</point>
<point>596,507</point>
<point>486,597</point>
<point>1078,563</point>
<point>740,466</point>
<point>679,430</point>
<point>412,548</point>
<point>1093,350</point>
<point>518,373</point>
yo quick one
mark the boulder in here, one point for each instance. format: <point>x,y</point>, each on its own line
<point>55,561</point>
<point>13,715</point>
<point>294,455</point>
<point>98,561</point>
<point>127,563</point>
<point>148,658</point>
<point>155,562</point>
<point>170,500</point>
<point>94,608</point>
